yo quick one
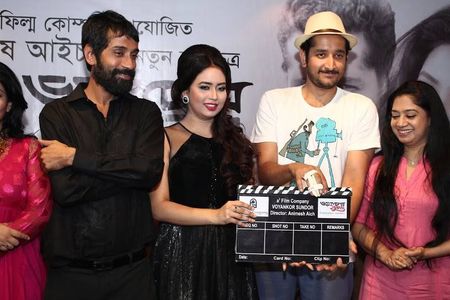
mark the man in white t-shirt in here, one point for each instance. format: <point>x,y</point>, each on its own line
<point>316,126</point>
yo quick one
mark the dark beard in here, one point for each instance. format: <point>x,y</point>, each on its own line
<point>107,79</point>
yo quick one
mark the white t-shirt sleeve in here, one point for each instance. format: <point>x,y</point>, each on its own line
<point>265,128</point>
<point>365,134</point>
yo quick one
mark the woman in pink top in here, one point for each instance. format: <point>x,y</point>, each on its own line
<point>25,202</point>
<point>403,223</point>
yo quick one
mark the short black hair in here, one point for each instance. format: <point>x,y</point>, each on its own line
<point>100,27</point>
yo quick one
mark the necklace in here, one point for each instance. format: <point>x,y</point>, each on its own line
<point>411,162</point>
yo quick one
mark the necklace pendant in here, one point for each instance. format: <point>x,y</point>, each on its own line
<point>412,163</point>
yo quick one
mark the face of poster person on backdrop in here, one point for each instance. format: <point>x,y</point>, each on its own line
<point>435,72</point>
<point>358,77</point>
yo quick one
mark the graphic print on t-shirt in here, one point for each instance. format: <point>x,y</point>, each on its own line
<point>297,147</point>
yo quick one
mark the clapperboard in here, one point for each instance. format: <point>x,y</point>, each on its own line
<point>293,225</point>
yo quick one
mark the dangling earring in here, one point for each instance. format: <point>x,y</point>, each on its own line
<point>185,99</point>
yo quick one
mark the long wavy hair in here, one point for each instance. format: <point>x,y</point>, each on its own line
<point>238,161</point>
<point>12,124</point>
<point>384,205</point>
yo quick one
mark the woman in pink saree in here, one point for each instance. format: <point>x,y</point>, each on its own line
<point>25,200</point>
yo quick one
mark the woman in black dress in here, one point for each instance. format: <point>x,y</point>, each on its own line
<point>206,157</point>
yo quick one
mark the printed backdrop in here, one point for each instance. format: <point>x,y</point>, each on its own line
<point>40,41</point>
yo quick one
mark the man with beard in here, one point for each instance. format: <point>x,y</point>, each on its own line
<point>103,148</point>
<point>345,133</point>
